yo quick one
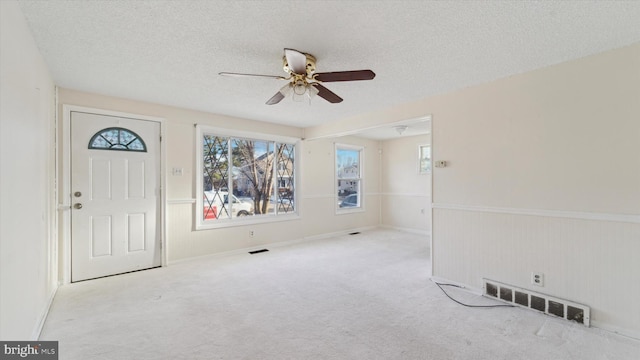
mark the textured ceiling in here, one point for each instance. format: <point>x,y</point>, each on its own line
<point>170,52</point>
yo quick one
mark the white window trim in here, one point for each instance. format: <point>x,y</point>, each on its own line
<point>201,130</point>
<point>361,208</point>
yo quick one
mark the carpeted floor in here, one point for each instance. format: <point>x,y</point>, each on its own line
<point>365,296</point>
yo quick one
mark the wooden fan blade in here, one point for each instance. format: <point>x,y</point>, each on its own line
<point>251,75</point>
<point>345,76</point>
<point>275,99</point>
<point>297,61</point>
<point>327,94</point>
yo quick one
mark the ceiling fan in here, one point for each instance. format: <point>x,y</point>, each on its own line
<point>303,81</point>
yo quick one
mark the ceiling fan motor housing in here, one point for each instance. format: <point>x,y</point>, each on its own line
<point>310,68</point>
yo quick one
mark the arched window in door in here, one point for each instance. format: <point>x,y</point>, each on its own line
<point>117,139</point>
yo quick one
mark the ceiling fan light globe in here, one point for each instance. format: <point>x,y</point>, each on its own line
<point>299,89</point>
<point>313,91</point>
<point>286,90</point>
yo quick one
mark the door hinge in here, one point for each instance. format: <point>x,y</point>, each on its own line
<point>160,138</point>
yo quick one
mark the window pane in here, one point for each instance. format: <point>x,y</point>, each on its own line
<point>111,136</point>
<point>136,144</point>
<point>285,178</point>
<point>126,137</point>
<point>348,164</point>
<point>348,193</point>
<point>253,162</point>
<point>348,177</point>
<point>216,174</point>
<point>116,139</point>
<point>425,158</point>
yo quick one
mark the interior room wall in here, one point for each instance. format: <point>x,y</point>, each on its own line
<point>406,194</point>
<point>317,198</point>
<point>319,187</point>
<point>27,154</point>
<point>543,175</point>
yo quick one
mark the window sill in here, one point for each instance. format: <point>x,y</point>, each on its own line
<point>245,221</point>
<point>343,211</point>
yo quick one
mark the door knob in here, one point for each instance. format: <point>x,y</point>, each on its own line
<point>77,206</point>
<point>77,194</point>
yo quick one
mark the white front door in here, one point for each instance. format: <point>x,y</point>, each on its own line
<point>115,192</point>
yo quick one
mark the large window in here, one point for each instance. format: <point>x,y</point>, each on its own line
<point>244,178</point>
<point>349,177</point>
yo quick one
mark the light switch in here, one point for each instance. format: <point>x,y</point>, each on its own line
<point>177,171</point>
<point>440,164</point>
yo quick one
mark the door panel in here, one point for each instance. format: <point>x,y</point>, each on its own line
<point>115,211</point>
<point>135,180</point>
<point>100,179</point>
<point>136,232</point>
<point>101,240</point>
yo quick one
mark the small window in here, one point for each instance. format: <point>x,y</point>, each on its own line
<point>117,139</point>
<point>424,159</point>
<point>349,177</point>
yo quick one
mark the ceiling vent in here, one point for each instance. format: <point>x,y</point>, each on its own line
<point>533,300</point>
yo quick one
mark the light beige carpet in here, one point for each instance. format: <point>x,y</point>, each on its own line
<point>365,296</point>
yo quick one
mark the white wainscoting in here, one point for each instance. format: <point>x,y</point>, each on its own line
<point>317,218</point>
<point>409,211</point>
<point>587,258</point>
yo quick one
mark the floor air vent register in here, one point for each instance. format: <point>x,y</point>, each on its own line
<point>533,300</point>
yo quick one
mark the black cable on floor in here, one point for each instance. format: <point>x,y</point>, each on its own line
<point>467,305</point>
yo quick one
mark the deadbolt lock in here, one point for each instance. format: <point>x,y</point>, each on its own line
<point>77,194</point>
<point>77,206</point>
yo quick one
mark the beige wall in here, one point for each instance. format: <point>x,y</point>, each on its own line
<point>543,175</point>
<point>316,182</point>
<point>406,194</point>
<point>27,155</point>
<point>560,138</point>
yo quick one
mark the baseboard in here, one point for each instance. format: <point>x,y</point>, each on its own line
<point>337,233</point>
<point>223,253</point>
<point>317,237</point>
<point>616,330</point>
<point>407,230</point>
<point>273,245</point>
<point>35,335</point>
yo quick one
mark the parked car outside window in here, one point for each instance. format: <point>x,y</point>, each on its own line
<point>238,207</point>
<point>349,201</point>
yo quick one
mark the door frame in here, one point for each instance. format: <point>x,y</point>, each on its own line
<point>64,178</point>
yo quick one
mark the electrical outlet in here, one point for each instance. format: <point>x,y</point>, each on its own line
<point>250,233</point>
<point>537,278</point>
